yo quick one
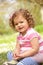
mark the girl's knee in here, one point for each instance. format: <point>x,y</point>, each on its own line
<point>28,61</point>
<point>10,55</point>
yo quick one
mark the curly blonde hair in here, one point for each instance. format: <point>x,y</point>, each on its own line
<point>26,14</point>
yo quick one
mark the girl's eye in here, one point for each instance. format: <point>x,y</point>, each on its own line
<point>21,22</point>
<point>16,24</point>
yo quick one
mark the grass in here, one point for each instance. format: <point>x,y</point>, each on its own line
<point>3,58</point>
<point>39,28</point>
<point>8,38</point>
<point>7,43</point>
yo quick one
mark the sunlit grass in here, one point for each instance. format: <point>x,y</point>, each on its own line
<point>39,28</point>
<point>3,58</point>
<point>8,38</point>
<point>7,43</point>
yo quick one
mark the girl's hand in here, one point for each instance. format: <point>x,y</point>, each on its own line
<point>16,55</point>
<point>17,58</point>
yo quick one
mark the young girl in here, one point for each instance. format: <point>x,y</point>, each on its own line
<point>29,47</point>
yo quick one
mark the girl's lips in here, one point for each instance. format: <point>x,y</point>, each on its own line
<point>21,28</point>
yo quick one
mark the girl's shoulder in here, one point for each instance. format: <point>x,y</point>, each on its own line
<point>32,31</point>
<point>29,34</point>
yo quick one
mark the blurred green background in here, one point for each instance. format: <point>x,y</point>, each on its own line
<point>7,35</point>
<point>8,7</point>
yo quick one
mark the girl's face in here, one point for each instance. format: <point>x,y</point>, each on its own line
<point>21,24</point>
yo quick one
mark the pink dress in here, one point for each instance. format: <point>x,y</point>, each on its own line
<point>25,44</point>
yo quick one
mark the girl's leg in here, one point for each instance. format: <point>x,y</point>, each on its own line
<point>38,57</point>
<point>10,56</point>
<point>27,61</point>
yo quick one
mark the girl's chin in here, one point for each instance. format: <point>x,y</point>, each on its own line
<point>22,33</point>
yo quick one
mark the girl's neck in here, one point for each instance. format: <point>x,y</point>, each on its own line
<point>23,34</point>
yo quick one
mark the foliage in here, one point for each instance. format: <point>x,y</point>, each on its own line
<point>8,38</point>
<point>32,7</point>
<point>39,28</point>
<point>3,58</point>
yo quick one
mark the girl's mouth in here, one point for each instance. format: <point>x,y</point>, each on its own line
<point>20,28</point>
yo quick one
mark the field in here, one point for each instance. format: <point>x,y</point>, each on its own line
<point>8,42</point>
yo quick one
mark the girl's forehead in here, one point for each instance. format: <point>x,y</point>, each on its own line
<point>19,17</point>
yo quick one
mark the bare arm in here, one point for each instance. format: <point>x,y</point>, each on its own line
<point>34,50</point>
<point>17,47</point>
<point>17,50</point>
